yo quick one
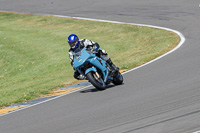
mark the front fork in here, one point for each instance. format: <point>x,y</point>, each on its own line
<point>96,75</point>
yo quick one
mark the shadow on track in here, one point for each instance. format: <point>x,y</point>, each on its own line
<point>96,90</point>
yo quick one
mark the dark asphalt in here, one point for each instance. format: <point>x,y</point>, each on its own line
<point>162,97</point>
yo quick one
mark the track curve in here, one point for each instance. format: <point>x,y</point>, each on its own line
<point>162,97</point>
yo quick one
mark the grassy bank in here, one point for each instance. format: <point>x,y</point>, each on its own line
<point>34,51</point>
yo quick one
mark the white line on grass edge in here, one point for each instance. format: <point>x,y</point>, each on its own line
<point>80,18</point>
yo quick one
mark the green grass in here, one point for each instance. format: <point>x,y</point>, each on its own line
<point>34,51</point>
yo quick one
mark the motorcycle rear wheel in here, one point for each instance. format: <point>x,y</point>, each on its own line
<point>96,80</point>
<point>118,79</point>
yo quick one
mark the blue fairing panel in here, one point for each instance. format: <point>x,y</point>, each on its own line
<point>90,69</point>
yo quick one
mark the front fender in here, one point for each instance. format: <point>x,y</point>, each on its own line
<point>90,69</point>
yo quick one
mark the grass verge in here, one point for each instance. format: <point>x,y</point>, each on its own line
<point>34,52</point>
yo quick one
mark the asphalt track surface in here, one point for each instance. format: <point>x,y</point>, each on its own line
<point>162,97</point>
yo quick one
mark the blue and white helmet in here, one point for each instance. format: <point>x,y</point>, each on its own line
<point>73,41</point>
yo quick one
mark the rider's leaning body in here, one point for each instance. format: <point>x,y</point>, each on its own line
<point>76,45</point>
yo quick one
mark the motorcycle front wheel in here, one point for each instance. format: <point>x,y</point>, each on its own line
<point>96,80</point>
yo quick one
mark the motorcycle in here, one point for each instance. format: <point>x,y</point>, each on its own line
<point>96,70</point>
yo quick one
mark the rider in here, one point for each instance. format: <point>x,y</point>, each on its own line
<point>76,45</point>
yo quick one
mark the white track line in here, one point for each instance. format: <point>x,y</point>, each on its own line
<point>80,18</point>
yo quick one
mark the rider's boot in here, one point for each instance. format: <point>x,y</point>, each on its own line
<point>79,76</point>
<point>114,67</point>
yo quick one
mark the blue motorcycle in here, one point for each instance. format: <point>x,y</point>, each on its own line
<point>96,70</point>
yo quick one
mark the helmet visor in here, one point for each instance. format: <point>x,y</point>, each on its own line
<point>72,44</point>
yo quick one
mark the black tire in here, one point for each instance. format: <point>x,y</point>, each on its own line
<point>118,79</point>
<point>98,83</point>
